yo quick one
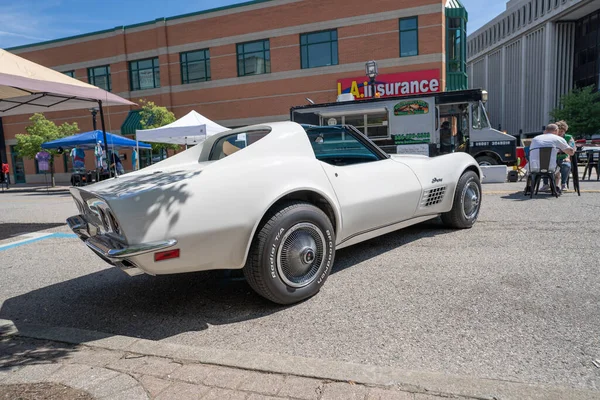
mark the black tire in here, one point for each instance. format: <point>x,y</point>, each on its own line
<point>486,160</point>
<point>467,202</point>
<point>292,254</point>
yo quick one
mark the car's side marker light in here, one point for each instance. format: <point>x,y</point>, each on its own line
<point>166,255</point>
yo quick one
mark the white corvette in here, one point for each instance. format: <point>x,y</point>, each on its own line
<point>275,200</point>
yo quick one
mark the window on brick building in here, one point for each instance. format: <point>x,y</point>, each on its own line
<point>70,73</point>
<point>254,58</point>
<point>195,66</point>
<point>319,49</point>
<point>144,74</point>
<point>409,37</point>
<point>100,76</point>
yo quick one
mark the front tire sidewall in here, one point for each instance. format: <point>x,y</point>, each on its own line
<point>465,180</point>
<point>281,292</point>
<point>456,217</point>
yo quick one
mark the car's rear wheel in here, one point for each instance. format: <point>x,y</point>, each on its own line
<point>467,202</point>
<point>292,254</point>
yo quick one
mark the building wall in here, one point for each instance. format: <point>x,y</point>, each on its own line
<point>524,59</point>
<point>364,33</point>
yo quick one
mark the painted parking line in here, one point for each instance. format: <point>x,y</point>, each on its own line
<point>36,237</point>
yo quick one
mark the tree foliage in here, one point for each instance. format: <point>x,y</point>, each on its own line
<point>39,131</point>
<point>153,116</point>
<point>581,110</point>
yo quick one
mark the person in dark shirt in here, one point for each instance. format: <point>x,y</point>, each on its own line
<point>115,161</point>
<point>445,138</point>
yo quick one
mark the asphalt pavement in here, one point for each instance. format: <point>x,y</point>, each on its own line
<point>515,298</point>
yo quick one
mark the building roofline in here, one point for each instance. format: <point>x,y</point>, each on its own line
<point>125,27</point>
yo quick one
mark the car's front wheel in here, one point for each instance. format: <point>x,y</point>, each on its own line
<point>292,254</point>
<point>467,202</point>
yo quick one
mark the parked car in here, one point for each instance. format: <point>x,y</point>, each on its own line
<point>276,200</point>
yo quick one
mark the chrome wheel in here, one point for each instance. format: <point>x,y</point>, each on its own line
<point>471,197</point>
<point>300,254</point>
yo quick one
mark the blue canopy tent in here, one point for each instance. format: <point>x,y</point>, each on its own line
<point>88,140</point>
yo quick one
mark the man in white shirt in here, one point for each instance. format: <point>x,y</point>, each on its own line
<point>549,139</point>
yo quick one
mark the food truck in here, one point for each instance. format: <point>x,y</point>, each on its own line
<point>429,124</point>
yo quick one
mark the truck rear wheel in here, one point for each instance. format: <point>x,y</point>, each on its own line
<point>486,161</point>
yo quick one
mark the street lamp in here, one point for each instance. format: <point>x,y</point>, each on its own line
<point>371,71</point>
<point>94,111</point>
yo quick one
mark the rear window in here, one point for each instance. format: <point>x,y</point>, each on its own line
<point>227,145</point>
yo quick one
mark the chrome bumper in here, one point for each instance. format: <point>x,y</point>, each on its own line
<point>109,248</point>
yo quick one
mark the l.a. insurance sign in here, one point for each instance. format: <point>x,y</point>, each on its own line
<point>390,85</point>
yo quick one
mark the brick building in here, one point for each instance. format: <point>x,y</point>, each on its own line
<point>247,63</point>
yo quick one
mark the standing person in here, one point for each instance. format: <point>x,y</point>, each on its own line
<point>5,173</point>
<point>115,162</point>
<point>445,138</point>
<point>549,139</point>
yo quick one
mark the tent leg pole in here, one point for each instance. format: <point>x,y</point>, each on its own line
<point>104,137</point>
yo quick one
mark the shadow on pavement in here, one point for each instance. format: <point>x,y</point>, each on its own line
<point>520,196</point>
<point>18,352</point>
<point>10,229</point>
<point>157,307</point>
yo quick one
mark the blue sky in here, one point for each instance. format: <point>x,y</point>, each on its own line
<point>30,21</point>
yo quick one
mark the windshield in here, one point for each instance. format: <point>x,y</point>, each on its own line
<point>480,120</point>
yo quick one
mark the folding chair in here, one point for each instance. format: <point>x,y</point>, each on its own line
<point>536,173</point>
<point>591,165</point>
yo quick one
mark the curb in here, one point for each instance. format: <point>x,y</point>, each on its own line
<point>36,189</point>
<point>406,380</point>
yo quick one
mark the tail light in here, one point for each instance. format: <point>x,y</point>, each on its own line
<point>166,255</point>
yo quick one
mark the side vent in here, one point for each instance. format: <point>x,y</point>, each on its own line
<point>433,196</point>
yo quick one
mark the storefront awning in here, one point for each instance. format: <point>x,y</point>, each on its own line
<point>131,123</point>
<point>455,9</point>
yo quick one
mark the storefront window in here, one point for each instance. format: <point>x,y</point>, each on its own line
<point>100,76</point>
<point>254,58</point>
<point>70,73</point>
<point>455,59</point>
<point>409,37</point>
<point>145,74</point>
<point>319,49</point>
<point>195,66</point>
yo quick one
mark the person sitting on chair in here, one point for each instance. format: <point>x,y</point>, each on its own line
<point>549,139</point>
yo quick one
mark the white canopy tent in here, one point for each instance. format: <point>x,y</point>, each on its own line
<point>188,130</point>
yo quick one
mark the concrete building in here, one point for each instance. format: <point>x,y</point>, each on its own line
<point>532,54</point>
<point>248,63</point>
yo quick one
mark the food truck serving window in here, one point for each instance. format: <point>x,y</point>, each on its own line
<point>373,123</point>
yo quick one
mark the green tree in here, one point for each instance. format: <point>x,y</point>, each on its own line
<point>581,110</point>
<point>42,130</point>
<point>153,116</point>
